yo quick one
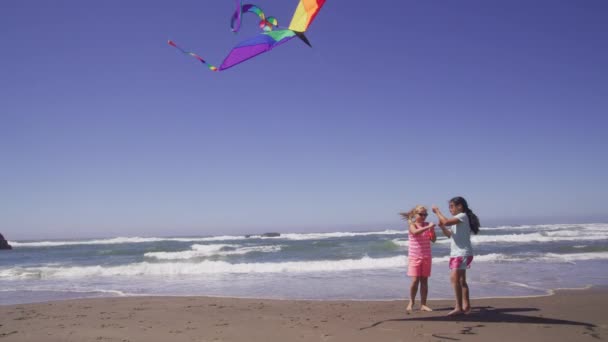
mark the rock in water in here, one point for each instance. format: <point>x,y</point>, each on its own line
<point>271,234</point>
<point>4,244</point>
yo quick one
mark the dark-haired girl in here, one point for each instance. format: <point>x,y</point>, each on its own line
<point>461,225</point>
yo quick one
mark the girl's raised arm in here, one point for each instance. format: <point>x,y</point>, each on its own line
<point>446,232</point>
<point>415,230</point>
<point>443,222</point>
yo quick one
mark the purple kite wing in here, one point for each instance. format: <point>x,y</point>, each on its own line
<point>256,45</point>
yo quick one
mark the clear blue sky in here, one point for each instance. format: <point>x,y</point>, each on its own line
<point>106,130</point>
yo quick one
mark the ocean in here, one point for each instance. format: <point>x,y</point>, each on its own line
<point>509,261</point>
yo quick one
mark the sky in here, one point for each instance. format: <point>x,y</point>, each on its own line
<point>105,130</point>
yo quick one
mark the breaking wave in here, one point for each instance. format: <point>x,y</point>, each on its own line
<point>222,267</point>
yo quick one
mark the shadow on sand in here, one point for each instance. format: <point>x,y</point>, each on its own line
<point>489,314</point>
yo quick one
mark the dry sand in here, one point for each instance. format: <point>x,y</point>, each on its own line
<point>572,315</point>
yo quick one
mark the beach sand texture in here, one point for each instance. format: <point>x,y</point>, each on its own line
<point>568,315</point>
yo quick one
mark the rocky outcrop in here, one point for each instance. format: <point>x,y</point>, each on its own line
<point>271,234</point>
<point>4,244</point>
<point>264,235</point>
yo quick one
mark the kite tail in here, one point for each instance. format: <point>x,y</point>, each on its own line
<point>211,67</point>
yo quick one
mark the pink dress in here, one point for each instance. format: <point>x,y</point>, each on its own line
<point>419,254</point>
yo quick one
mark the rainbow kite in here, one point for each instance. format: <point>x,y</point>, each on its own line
<point>266,23</point>
<point>305,13</point>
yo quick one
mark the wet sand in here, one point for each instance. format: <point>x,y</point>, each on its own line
<point>569,315</point>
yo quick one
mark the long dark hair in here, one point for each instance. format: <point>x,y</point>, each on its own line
<point>473,219</point>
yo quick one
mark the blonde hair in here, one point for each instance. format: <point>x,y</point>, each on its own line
<point>410,215</point>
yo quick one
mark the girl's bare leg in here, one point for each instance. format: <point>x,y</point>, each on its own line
<point>424,291</point>
<point>454,277</point>
<point>466,303</point>
<point>413,292</point>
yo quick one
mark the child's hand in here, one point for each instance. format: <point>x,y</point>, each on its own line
<point>431,234</point>
<point>432,225</point>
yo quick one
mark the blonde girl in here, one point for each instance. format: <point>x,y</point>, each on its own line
<point>420,234</point>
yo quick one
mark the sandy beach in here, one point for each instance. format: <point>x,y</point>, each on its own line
<point>568,315</point>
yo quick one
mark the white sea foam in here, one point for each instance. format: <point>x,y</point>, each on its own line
<point>201,251</point>
<point>570,257</point>
<point>122,240</point>
<point>537,237</point>
<point>545,257</point>
<point>542,227</point>
<point>220,267</point>
<point>553,236</point>
<point>401,242</point>
<point>537,233</point>
<point>317,236</point>
<point>67,290</point>
<point>204,267</point>
<point>492,257</point>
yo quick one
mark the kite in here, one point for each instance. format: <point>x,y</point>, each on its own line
<point>265,24</point>
<point>236,17</point>
<point>303,16</point>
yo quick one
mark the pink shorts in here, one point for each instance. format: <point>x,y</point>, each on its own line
<point>419,267</point>
<point>460,263</point>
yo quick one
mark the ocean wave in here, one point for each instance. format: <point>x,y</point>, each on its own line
<point>123,240</point>
<point>67,290</point>
<point>201,251</point>
<point>111,241</point>
<point>221,267</point>
<point>541,227</point>
<point>535,237</point>
<point>318,236</point>
<point>570,257</point>
<point>400,242</point>
<point>532,257</point>
<point>541,233</point>
<point>538,237</point>
<point>204,267</point>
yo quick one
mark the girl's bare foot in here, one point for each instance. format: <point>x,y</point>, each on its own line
<point>425,308</point>
<point>455,312</point>
<point>410,307</point>
<point>467,310</point>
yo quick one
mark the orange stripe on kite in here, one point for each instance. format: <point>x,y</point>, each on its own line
<point>305,13</point>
